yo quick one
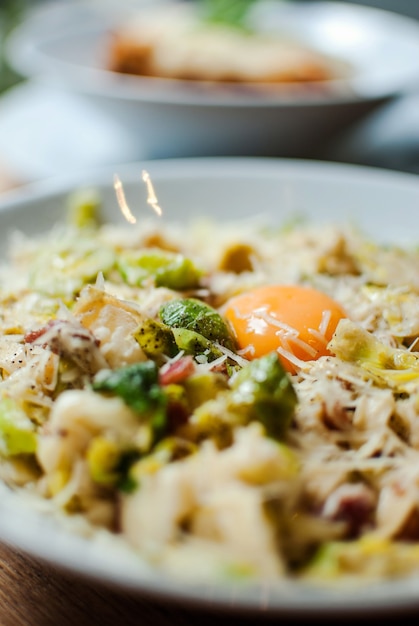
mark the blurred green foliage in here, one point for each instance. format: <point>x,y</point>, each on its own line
<point>229,12</point>
<point>11,12</point>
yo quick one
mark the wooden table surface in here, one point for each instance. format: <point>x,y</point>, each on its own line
<point>35,594</point>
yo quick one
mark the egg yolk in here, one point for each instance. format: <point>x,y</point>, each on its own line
<point>297,322</point>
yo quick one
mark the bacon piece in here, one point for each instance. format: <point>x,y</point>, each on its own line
<point>34,335</point>
<point>353,504</point>
<point>177,371</point>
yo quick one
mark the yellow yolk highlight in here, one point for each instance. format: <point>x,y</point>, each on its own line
<point>297,322</point>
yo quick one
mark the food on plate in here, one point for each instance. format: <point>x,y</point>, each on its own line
<point>214,42</point>
<point>235,403</point>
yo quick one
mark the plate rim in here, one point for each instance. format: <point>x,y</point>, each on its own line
<point>220,166</point>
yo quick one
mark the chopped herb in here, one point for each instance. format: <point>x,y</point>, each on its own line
<point>139,388</point>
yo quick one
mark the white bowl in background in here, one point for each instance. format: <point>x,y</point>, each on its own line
<point>66,45</point>
<point>384,204</point>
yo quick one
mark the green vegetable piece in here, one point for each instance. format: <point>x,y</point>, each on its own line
<point>168,269</point>
<point>228,12</point>
<point>261,391</point>
<point>194,343</point>
<point>200,388</point>
<point>174,448</point>
<point>365,557</point>
<point>139,388</point>
<point>102,460</point>
<point>238,571</point>
<point>176,395</point>
<point>109,464</point>
<point>69,263</point>
<point>17,432</point>
<point>387,366</point>
<point>325,562</point>
<point>199,317</point>
<point>166,451</point>
<point>264,392</point>
<point>84,208</point>
<point>155,339</point>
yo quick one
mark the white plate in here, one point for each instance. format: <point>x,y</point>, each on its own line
<point>66,45</point>
<point>385,204</point>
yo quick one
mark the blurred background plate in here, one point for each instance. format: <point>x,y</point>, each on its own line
<point>65,45</point>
